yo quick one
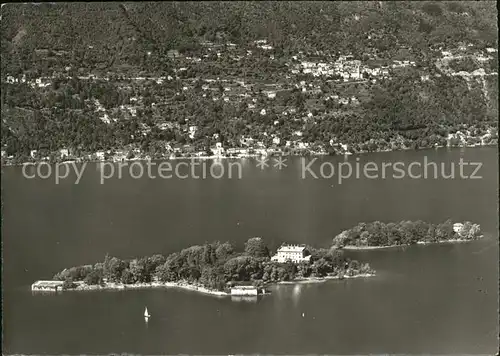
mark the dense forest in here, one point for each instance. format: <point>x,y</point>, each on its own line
<point>70,76</point>
<point>405,233</point>
<point>214,265</point>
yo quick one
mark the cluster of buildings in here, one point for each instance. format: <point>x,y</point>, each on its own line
<point>38,82</point>
<point>349,69</point>
<point>263,44</point>
<point>344,67</point>
<point>465,52</point>
<point>465,137</point>
<point>35,154</point>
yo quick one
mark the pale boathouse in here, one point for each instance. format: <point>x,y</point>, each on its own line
<point>244,290</point>
<point>47,286</point>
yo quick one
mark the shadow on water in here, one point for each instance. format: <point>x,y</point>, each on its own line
<point>246,299</point>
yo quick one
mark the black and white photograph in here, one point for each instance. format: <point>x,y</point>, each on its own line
<point>250,178</point>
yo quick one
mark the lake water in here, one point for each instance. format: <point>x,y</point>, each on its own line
<point>424,299</point>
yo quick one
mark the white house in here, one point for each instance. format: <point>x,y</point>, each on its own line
<point>64,152</point>
<point>271,94</point>
<point>219,150</point>
<point>266,47</point>
<point>192,131</point>
<point>457,227</point>
<point>294,253</point>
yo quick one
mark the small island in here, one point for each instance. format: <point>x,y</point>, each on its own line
<point>376,234</point>
<point>213,268</point>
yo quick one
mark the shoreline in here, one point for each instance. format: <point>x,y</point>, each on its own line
<point>237,157</point>
<point>314,280</point>
<point>111,286</point>
<point>361,248</point>
<point>81,286</point>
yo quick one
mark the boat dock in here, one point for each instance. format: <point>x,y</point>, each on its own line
<point>47,286</point>
<point>247,291</point>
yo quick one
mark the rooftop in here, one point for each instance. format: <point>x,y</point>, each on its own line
<point>244,287</point>
<point>48,283</point>
<point>291,248</point>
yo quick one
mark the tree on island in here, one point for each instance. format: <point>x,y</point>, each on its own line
<point>213,265</point>
<point>127,277</point>
<point>68,283</point>
<point>405,233</point>
<point>224,250</point>
<point>94,277</point>
<point>256,247</point>
<point>113,268</point>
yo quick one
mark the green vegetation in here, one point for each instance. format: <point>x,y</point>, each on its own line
<point>215,266</point>
<point>405,233</point>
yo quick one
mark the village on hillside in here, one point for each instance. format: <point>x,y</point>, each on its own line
<point>303,90</point>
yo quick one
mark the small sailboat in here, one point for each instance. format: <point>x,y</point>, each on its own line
<point>146,314</point>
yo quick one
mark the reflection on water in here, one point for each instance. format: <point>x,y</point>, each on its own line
<point>297,289</point>
<point>38,293</point>
<point>244,298</point>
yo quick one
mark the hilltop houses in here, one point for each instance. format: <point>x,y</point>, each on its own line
<point>346,68</point>
<point>293,253</point>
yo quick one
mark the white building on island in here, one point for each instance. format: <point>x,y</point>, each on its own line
<point>457,227</point>
<point>49,286</point>
<point>244,290</point>
<point>294,253</point>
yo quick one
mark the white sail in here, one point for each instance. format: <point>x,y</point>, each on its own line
<point>146,314</point>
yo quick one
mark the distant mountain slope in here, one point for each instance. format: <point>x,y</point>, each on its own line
<point>125,30</point>
<point>311,77</point>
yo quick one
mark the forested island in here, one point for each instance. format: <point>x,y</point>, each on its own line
<point>216,267</point>
<point>212,268</point>
<point>377,234</point>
